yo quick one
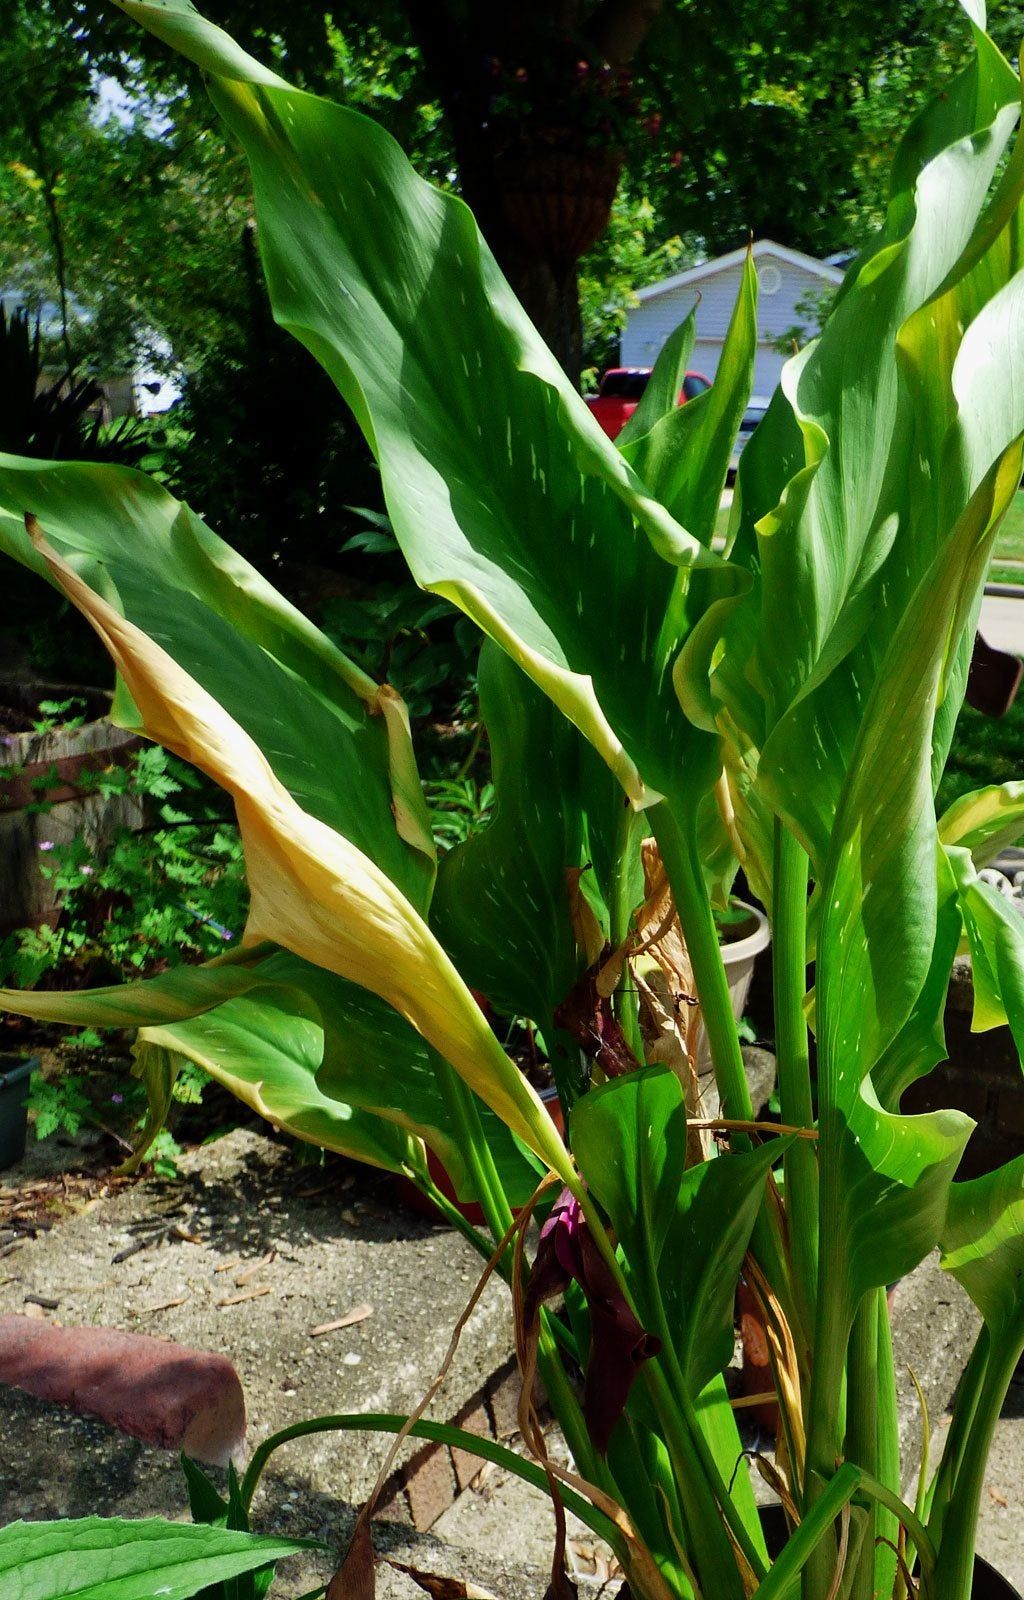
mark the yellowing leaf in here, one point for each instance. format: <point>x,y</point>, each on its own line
<point>312,891</point>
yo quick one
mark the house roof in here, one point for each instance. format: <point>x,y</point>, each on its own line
<point>763,247</point>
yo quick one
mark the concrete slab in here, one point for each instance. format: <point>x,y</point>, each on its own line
<point>239,1261</point>
<point>934,1326</point>
<point>1001,1520</point>
<point>1001,623</point>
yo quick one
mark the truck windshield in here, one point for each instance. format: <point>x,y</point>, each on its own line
<point>624,385</point>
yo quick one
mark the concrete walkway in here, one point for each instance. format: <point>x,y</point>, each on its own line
<point>1002,621</point>
<point>247,1255</point>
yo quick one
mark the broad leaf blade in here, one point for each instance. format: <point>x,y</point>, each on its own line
<point>661,396</point>
<point>169,996</point>
<point>111,1558</point>
<point>501,906</point>
<point>311,889</point>
<point>683,1233</point>
<point>985,822</point>
<point>995,933</point>
<point>983,1246</point>
<point>504,494</point>
<point>685,456</point>
<point>321,1058</point>
<point>338,741</point>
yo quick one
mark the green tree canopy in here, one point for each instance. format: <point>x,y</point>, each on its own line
<point>769,119</point>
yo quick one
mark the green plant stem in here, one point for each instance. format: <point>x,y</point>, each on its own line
<point>862,1431</point>
<point>889,1459</point>
<point>687,1447</point>
<point>625,1002</point>
<point>789,982</point>
<point>498,1213</point>
<point>678,845</point>
<point>813,1533</point>
<point>440,1433</point>
<point>832,1326</point>
<point>680,1393</point>
<point>955,1570</point>
<point>712,1554</point>
<point>472,1143</point>
<point>965,1404</point>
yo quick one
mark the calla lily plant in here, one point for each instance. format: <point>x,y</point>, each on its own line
<point>659,713</point>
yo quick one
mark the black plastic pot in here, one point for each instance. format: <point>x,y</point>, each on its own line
<point>15,1072</point>
<point>988,1583</point>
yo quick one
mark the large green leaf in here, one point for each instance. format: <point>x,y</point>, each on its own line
<point>661,395</point>
<point>983,1246</point>
<point>327,1061</point>
<point>683,1232</point>
<point>838,521</point>
<point>682,1235</point>
<point>883,1198</point>
<point>684,455</point>
<point>995,933</point>
<point>338,741</point>
<point>503,492</point>
<point>921,1042</point>
<point>501,905</point>
<point>112,1558</point>
<point>986,821</point>
<point>267,1047</point>
<point>311,889</point>
<point>170,996</point>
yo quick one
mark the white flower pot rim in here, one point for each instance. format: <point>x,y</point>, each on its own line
<point>736,951</point>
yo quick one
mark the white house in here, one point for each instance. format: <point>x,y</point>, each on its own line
<point>145,392</point>
<point>787,278</point>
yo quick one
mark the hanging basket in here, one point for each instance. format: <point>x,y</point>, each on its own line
<point>556,196</point>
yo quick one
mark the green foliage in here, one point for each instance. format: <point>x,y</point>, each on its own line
<point>418,642</point>
<point>459,808</point>
<point>792,705</point>
<point>109,1558</point>
<point>257,401</point>
<point>58,1106</point>
<point>984,750</point>
<point>172,891</point>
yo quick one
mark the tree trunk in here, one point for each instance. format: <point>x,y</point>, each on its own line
<point>551,300</point>
<point>541,205</point>
<point>530,92</point>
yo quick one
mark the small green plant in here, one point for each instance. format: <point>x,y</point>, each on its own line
<point>459,807</point>
<point>172,890</point>
<point>58,1105</point>
<point>70,713</point>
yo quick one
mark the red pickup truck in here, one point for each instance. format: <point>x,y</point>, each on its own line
<point>619,395</point>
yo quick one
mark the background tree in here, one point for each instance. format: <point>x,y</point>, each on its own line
<point>755,117</point>
<point>602,144</point>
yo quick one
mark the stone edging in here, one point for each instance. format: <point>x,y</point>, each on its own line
<point>421,1490</point>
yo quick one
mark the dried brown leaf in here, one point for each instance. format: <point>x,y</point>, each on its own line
<point>442,1588</point>
<point>253,1269</point>
<point>584,923</point>
<point>355,1579</point>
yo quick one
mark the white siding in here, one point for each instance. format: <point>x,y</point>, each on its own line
<point>651,322</point>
